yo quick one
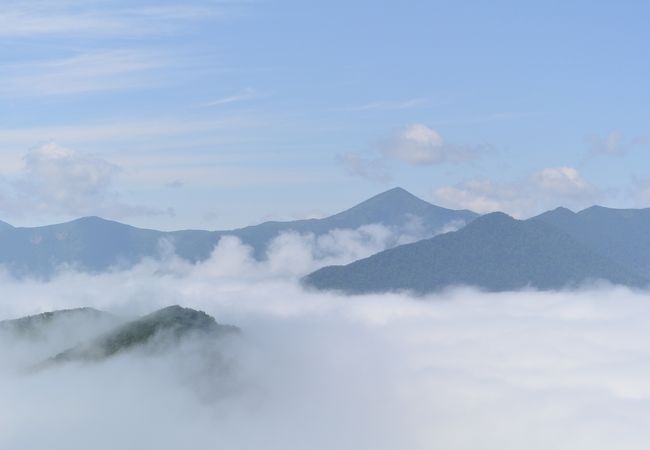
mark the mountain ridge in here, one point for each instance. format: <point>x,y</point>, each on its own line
<point>95,244</point>
<point>493,253</point>
<point>621,234</point>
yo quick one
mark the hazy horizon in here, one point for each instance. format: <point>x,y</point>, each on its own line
<point>395,325</point>
<point>214,115</point>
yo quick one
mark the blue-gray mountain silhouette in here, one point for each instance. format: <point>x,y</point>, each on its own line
<point>394,208</point>
<point>94,244</point>
<point>620,234</point>
<point>494,253</point>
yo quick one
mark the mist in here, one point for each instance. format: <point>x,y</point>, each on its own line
<point>456,370</point>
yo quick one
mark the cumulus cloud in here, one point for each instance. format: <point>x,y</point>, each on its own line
<point>419,144</point>
<point>56,180</point>
<point>415,145</point>
<point>562,180</point>
<point>482,196</point>
<point>542,190</point>
<point>312,370</point>
<point>291,255</point>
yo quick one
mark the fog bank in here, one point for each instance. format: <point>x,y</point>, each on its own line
<point>458,370</point>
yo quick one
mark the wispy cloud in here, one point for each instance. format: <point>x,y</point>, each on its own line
<point>31,18</point>
<point>246,94</point>
<point>390,105</point>
<point>82,73</point>
<point>120,131</point>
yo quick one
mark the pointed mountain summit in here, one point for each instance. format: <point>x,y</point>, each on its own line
<point>494,253</point>
<point>94,244</point>
<point>393,208</point>
<point>390,208</point>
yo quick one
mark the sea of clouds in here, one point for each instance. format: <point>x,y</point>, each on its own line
<point>312,370</point>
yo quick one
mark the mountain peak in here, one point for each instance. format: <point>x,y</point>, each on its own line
<point>558,213</point>
<point>396,193</point>
<point>494,218</point>
<point>96,221</point>
<point>394,207</point>
<point>91,219</point>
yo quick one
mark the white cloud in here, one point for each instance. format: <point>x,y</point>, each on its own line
<point>565,181</point>
<point>415,145</point>
<point>30,18</point>
<point>83,73</point>
<point>246,94</point>
<point>542,190</point>
<point>419,144</point>
<point>55,180</point>
<point>483,196</point>
<point>291,254</point>
<point>461,369</point>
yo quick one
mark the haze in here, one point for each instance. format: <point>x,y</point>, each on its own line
<point>461,369</point>
<point>324,225</point>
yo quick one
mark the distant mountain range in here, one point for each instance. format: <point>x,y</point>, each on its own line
<point>94,244</point>
<point>495,252</point>
<point>623,235</point>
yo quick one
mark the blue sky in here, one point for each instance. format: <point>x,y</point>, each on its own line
<point>211,114</point>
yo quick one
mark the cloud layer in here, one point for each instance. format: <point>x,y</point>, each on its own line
<point>319,371</point>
